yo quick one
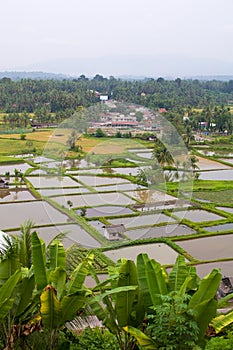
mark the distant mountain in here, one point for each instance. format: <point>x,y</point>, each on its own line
<point>171,66</point>
<point>212,77</point>
<point>33,75</point>
<point>37,75</point>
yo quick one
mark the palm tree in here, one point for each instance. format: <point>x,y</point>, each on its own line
<point>188,136</point>
<point>163,156</point>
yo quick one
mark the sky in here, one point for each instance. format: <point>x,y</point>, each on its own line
<point>123,37</point>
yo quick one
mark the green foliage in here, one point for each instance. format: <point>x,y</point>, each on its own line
<point>220,343</point>
<point>172,326</point>
<point>93,339</point>
<point>119,303</point>
<point>99,133</point>
<point>23,136</point>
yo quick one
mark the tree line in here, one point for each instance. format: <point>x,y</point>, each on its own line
<point>29,95</point>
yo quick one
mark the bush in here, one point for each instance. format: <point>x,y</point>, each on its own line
<point>93,339</point>
<point>220,343</point>
<point>22,136</point>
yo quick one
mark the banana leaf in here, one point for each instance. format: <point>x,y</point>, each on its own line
<point>129,307</point>
<point>143,340</point>
<point>203,314</point>
<point>57,278</point>
<point>178,274</point>
<point>207,288</point>
<point>156,282</point>
<point>8,287</point>
<point>57,255</point>
<point>142,259</point>
<point>70,305</point>
<point>79,274</point>
<point>39,262</point>
<point>222,321</point>
<point>51,312</point>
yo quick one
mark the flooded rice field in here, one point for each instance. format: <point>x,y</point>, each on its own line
<point>209,248</point>
<point>62,191</point>
<point>39,212</point>
<point>197,215</point>
<point>73,234</point>
<point>105,210</point>
<point>224,175</point>
<point>22,167</point>
<point>227,160</point>
<point>98,181</point>
<point>207,164</point>
<point>15,195</point>
<point>143,220</point>
<point>119,187</point>
<point>218,153</point>
<point>149,196</point>
<point>158,251</point>
<point>95,199</point>
<point>159,231</point>
<point>219,228</point>
<point>52,181</point>
<point>228,210</point>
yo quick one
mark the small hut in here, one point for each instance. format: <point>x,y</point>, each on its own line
<point>114,232</point>
<point>3,183</point>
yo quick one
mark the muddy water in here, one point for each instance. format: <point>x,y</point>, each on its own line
<point>11,168</point>
<point>161,231</point>
<point>143,220</point>
<point>52,181</point>
<point>17,195</point>
<point>62,191</point>
<point>228,210</point>
<point>98,181</point>
<point>13,215</point>
<point>208,248</point>
<point>197,215</point>
<point>119,187</point>
<point>217,228</point>
<point>160,252</point>
<point>107,211</point>
<point>95,199</point>
<point>73,234</point>
<point>223,175</point>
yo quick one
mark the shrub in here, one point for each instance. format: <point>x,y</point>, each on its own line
<point>218,343</point>
<point>93,339</point>
<point>22,136</point>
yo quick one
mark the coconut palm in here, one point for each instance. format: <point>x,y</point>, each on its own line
<point>162,155</point>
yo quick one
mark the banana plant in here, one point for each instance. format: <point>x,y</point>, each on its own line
<point>21,302</point>
<point>156,283</point>
<point>118,302</point>
<point>60,298</point>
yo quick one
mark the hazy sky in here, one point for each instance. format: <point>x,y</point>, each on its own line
<point>54,34</point>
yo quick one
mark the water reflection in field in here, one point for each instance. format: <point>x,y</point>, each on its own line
<point>22,167</point>
<point>95,199</point>
<point>159,231</point>
<point>209,248</point>
<point>52,181</point>
<point>197,215</point>
<point>16,195</point>
<point>216,175</point>
<point>143,220</point>
<point>158,251</point>
<point>13,215</point>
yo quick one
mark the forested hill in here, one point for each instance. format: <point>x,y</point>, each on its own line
<point>30,95</point>
<point>32,75</point>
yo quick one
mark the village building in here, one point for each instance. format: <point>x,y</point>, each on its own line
<point>3,183</point>
<point>114,232</point>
